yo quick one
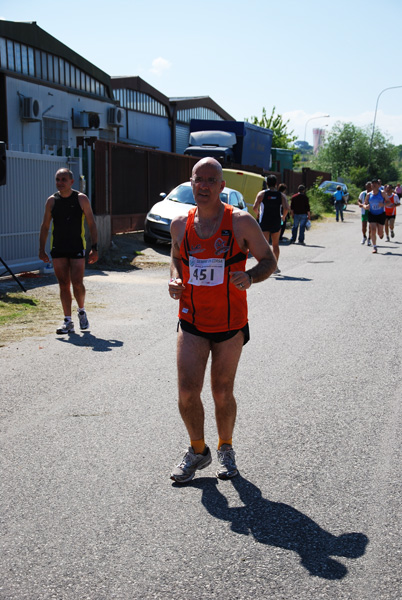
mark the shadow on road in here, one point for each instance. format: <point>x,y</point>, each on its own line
<point>87,340</point>
<point>280,525</point>
<point>280,277</point>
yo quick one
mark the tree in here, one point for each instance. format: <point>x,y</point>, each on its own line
<point>282,138</point>
<point>346,153</point>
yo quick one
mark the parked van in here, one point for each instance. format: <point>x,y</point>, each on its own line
<point>248,184</point>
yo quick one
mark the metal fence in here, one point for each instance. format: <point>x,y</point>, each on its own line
<point>30,181</point>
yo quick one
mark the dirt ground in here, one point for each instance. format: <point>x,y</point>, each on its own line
<point>128,252</point>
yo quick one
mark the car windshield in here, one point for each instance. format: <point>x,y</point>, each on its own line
<point>183,194</point>
<point>330,187</point>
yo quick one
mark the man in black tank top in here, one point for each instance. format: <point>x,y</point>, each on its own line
<point>271,208</point>
<point>68,208</point>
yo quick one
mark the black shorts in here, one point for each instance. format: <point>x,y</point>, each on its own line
<point>389,217</point>
<point>217,336</point>
<point>271,226</point>
<point>380,219</point>
<point>56,254</point>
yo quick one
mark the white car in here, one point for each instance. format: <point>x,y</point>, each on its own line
<point>179,202</point>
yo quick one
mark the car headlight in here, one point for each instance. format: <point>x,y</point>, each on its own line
<point>158,219</point>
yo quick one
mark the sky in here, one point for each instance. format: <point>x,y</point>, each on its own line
<point>308,59</point>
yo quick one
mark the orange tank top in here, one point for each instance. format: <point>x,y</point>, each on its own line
<point>210,302</point>
<point>390,211</point>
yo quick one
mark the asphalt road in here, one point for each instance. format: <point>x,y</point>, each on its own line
<point>90,431</point>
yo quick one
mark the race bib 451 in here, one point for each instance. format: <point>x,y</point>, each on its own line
<point>206,271</point>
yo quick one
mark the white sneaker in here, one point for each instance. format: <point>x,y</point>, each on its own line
<point>227,463</point>
<point>364,240</point>
<point>67,327</point>
<point>82,316</point>
<point>369,243</point>
<point>186,469</point>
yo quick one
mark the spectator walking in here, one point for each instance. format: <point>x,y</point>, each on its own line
<point>339,202</point>
<point>300,211</point>
<point>68,208</point>
<point>283,189</point>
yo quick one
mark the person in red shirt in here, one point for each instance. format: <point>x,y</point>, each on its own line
<point>390,210</point>
<point>210,246</point>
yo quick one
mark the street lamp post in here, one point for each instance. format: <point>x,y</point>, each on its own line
<point>375,116</point>
<point>308,121</point>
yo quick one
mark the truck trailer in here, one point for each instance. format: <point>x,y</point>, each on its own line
<point>232,143</point>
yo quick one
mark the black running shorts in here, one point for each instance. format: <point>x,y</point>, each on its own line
<point>218,336</point>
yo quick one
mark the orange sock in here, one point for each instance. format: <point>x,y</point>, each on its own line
<point>198,446</point>
<point>221,442</point>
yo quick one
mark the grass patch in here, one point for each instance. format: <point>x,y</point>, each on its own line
<point>16,306</point>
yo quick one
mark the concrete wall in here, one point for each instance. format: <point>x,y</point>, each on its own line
<point>53,103</point>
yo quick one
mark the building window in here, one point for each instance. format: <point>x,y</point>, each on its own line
<point>17,56</point>
<point>55,132</point>
<point>56,77</point>
<point>10,55</point>
<point>38,64</point>
<point>44,66</point>
<point>50,67</point>
<point>24,59</point>
<point>3,53</point>
<point>31,62</point>
<point>185,116</point>
<point>61,67</point>
<point>140,102</point>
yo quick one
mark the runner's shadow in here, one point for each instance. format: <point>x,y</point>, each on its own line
<point>281,277</point>
<point>280,525</point>
<point>87,340</point>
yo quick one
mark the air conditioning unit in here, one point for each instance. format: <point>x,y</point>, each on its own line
<point>80,119</point>
<point>94,120</point>
<point>115,117</point>
<point>30,109</point>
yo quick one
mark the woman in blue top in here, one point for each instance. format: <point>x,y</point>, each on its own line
<point>375,204</point>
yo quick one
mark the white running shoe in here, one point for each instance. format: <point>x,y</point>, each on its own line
<point>67,327</point>
<point>191,461</point>
<point>227,462</point>
<point>82,316</point>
